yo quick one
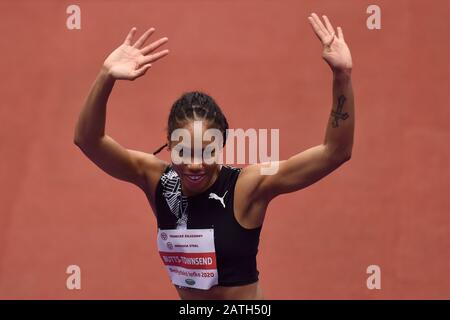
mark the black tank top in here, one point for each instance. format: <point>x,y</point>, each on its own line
<point>236,247</point>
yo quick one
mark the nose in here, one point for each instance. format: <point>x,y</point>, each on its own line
<point>193,167</point>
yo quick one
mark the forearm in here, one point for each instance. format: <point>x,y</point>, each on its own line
<point>90,127</point>
<point>341,124</point>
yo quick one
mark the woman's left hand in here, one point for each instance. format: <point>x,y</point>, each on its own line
<point>335,51</point>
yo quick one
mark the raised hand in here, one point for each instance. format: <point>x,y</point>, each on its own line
<point>335,51</point>
<point>132,61</point>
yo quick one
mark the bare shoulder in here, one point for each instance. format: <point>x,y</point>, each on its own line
<point>151,169</point>
<point>249,203</point>
<point>249,179</point>
<point>251,182</point>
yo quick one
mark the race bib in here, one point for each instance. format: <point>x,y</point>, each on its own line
<point>189,256</point>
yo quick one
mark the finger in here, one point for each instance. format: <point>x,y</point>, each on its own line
<point>151,47</point>
<point>143,38</point>
<point>330,40</point>
<point>319,22</point>
<point>130,36</point>
<point>141,71</point>
<point>154,57</point>
<point>328,24</point>
<point>340,33</point>
<point>319,33</point>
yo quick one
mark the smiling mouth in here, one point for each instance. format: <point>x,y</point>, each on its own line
<point>195,178</point>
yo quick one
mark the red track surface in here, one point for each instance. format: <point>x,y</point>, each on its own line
<point>260,60</point>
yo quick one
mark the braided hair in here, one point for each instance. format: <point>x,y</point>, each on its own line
<point>195,105</point>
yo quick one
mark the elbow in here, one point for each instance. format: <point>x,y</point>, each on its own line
<point>338,154</point>
<point>86,145</point>
<point>77,136</point>
<point>341,157</point>
<point>80,139</point>
<point>77,140</point>
<point>347,157</point>
<point>83,147</point>
<point>79,144</point>
<point>344,157</point>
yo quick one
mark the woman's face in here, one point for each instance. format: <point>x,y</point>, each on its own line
<point>196,176</point>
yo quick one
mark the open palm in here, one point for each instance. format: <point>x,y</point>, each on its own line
<point>335,51</point>
<point>132,61</point>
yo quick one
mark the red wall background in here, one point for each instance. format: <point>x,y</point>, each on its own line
<point>387,206</point>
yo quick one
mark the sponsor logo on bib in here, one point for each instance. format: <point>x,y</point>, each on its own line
<point>189,256</point>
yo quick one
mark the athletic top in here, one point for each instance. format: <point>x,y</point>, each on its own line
<point>199,239</point>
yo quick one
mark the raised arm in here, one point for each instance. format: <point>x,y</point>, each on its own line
<point>127,62</point>
<point>311,165</point>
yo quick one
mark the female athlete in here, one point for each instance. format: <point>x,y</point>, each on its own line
<point>209,215</point>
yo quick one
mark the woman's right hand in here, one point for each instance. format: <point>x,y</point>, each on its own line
<point>129,62</point>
